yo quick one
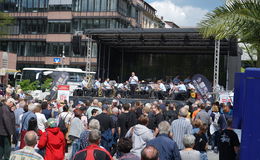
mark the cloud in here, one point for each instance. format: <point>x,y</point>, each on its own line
<point>182,16</point>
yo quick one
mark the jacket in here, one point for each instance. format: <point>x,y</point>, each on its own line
<point>140,135</point>
<point>7,121</point>
<point>54,141</point>
<point>168,149</point>
<point>93,152</point>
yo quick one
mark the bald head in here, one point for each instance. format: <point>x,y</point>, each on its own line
<point>30,138</point>
<point>95,102</point>
<point>149,153</point>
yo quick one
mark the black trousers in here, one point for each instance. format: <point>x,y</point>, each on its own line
<point>133,88</point>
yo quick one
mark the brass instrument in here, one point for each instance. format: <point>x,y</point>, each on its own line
<point>100,91</point>
<point>89,81</point>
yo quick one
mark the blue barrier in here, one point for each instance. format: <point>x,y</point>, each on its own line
<point>247,111</point>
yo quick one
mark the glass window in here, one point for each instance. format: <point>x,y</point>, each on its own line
<point>104,5</point>
<point>91,5</point>
<point>97,5</point>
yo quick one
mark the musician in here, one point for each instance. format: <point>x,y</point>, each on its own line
<point>97,86</point>
<point>107,87</point>
<point>133,81</point>
<point>161,90</point>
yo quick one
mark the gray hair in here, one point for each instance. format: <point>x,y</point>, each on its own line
<point>94,124</point>
<point>115,110</point>
<point>183,112</point>
<point>164,127</point>
<point>188,141</point>
<point>31,107</point>
<point>94,136</point>
<point>30,138</point>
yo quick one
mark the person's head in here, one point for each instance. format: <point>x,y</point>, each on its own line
<point>94,137</point>
<point>10,102</point>
<point>44,105</point>
<point>38,107</point>
<point>65,108</point>
<point>105,108</point>
<point>133,74</point>
<point>188,141</point>
<point>143,120</point>
<point>124,145</point>
<point>183,112</point>
<point>94,124</point>
<point>126,107</point>
<point>25,108</point>
<point>94,112</point>
<point>202,106</point>
<point>52,123</point>
<point>115,111</point>
<point>164,127</point>
<point>156,108</point>
<point>30,138</point>
<point>226,108</point>
<point>32,107</point>
<point>197,123</point>
<point>172,106</point>
<point>146,110</point>
<point>107,79</point>
<point>95,102</point>
<point>214,108</point>
<point>203,129</point>
<point>229,123</point>
<point>77,113</point>
<point>149,153</point>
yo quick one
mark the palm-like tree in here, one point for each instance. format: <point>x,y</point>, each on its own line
<point>238,18</point>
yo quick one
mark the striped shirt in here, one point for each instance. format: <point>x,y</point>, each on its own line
<point>27,153</point>
<point>180,127</point>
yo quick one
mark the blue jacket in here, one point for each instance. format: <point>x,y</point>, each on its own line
<point>168,149</point>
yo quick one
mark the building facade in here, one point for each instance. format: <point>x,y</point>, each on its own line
<point>44,29</point>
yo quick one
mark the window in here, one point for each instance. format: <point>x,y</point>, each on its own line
<point>59,27</point>
<point>56,49</point>
<point>34,26</point>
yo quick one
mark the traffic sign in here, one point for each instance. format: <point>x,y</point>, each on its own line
<point>56,60</point>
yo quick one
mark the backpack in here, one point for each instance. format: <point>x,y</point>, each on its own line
<point>62,125</point>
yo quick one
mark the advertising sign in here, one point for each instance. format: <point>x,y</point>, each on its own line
<point>63,92</point>
<point>59,78</point>
<point>203,87</point>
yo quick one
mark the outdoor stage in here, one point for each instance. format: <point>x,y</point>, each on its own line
<point>76,99</point>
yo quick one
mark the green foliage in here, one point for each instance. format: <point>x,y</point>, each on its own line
<point>27,85</point>
<point>239,19</point>
<point>5,20</point>
<point>47,84</point>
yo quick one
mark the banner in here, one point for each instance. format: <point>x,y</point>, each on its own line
<point>59,78</point>
<point>225,97</point>
<point>63,93</point>
<point>203,87</point>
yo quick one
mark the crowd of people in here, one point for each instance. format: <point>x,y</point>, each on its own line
<point>134,88</point>
<point>49,129</point>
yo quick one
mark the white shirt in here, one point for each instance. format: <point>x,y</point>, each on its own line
<point>107,85</point>
<point>68,116</point>
<point>133,80</point>
<point>182,87</point>
<point>120,85</point>
<point>41,121</point>
<point>97,85</point>
<point>162,87</point>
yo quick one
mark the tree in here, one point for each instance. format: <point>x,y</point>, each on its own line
<point>5,20</point>
<point>239,19</point>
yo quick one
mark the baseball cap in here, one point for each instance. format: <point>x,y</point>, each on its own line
<point>52,122</point>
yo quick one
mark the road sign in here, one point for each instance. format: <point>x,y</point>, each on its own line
<point>56,60</point>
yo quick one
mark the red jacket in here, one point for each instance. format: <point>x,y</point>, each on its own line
<point>55,144</point>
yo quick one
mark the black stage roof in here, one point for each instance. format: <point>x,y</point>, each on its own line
<point>152,41</point>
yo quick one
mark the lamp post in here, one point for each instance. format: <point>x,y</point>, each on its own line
<point>63,57</point>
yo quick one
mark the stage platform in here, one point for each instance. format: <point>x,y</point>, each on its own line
<point>76,99</point>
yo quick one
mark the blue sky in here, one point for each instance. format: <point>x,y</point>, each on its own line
<point>184,12</point>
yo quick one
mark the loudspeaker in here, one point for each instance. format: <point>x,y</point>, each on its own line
<point>76,45</point>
